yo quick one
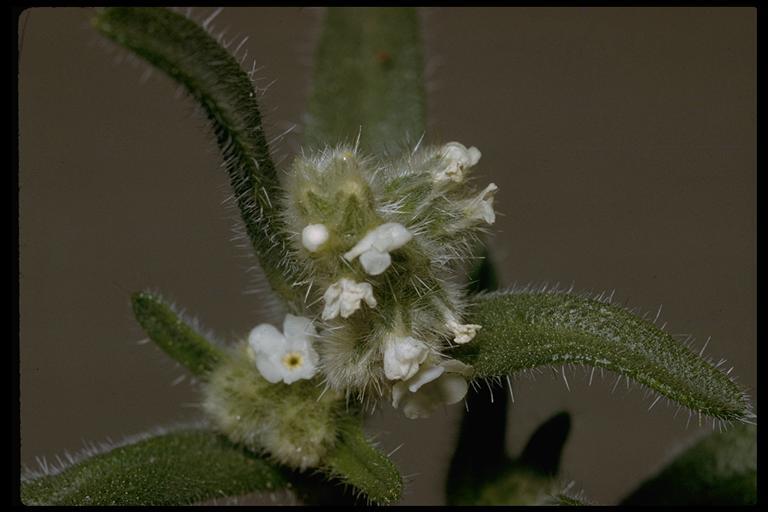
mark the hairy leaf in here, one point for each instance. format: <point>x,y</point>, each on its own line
<point>368,79</point>
<point>524,330</point>
<point>354,461</point>
<point>721,469</point>
<point>177,468</point>
<point>188,54</point>
<point>172,334</point>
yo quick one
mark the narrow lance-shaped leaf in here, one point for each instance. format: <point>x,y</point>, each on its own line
<point>186,52</point>
<point>172,334</point>
<point>721,469</point>
<point>177,468</point>
<point>368,79</point>
<point>523,330</point>
<point>354,461</point>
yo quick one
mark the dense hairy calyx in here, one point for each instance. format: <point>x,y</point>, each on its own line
<point>524,330</point>
<point>419,292</point>
<point>289,422</point>
<point>297,425</point>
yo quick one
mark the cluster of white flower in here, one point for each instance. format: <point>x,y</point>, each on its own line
<point>457,160</point>
<point>422,379</point>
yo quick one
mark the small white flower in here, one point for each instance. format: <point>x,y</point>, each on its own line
<point>402,357</point>
<point>313,236</point>
<point>430,387</point>
<point>286,356</point>
<point>482,206</point>
<point>343,298</point>
<point>375,246</point>
<point>456,159</point>
<point>463,333</point>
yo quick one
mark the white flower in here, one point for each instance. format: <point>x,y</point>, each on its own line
<point>344,296</point>
<point>313,236</point>
<point>463,333</point>
<point>402,357</point>
<point>286,356</point>
<point>457,159</point>
<point>430,387</point>
<point>482,206</point>
<point>375,246</point>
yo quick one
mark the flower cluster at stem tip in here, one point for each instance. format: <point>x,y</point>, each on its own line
<point>382,248</point>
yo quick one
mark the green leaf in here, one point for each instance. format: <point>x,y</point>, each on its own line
<point>368,79</point>
<point>189,55</point>
<point>544,449</point>
<point>721,469</point>
<point>172,334</point>
<point>525,330</point>
<point>177,468</point>
<point>487,476</point>
<point>354,461</point>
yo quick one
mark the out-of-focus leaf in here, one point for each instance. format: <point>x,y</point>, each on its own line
<point>368,79</point>
<point>720,469</point>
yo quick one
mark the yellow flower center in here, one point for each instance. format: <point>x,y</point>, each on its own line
<point>293,360</point>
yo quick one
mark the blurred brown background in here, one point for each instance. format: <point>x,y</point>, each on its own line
<point>623,141</point>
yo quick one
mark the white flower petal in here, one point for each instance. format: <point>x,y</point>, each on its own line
<point>391,236</point>
<point>375,262</point>
<point>456,366</point>
<point>451,388</point>
<point>402,357</point>
<point>463,333</point>
<point>268,369</point>
<point>482,206</point>
<point>430,387</point>
<point>298,327</point>
<point>266,338</point>
<point>375,246</point>
<point>332,298</point>
<point>473,155</point>
<point>360,247</point>
<point>313,236</point>
<point>456,160</point>
<point>425,375</point>
<point>287,357</point>
<point>343,298</point>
